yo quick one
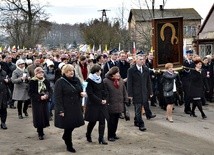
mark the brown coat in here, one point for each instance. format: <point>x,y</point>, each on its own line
<point>115,97</point>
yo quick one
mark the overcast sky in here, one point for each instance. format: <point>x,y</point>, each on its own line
<point>80,11</point>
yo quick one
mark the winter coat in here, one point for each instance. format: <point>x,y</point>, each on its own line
<point>168,82</point>
<point>3,90</point>
<point>40,108</point>
<point>123,68</point>
<point>31,69</point>
<point>50,76</point>
<point>198,84</point>
<point>139,84</point>
<point>78,72</point>
<point>94,107</point>
<point>20,91</point>
<point>116,98</point>
<point>67,101</point>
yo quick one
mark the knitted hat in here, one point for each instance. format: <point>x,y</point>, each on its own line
<point>28,61</point>
<point>61,65</point>
<point>19,62</point>
<point>49,63</point>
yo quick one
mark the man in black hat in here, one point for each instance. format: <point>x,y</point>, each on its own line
<point>113,62</point>
<point>140,53</point>
<point>188,62</point>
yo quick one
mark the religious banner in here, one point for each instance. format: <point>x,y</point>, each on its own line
<point>167,41</point>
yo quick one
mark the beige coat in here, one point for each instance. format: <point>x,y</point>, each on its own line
<point>78,72</point>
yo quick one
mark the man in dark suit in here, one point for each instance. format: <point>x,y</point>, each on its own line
<point>139,88</point>
<point>123,66</point>
<point>149,64</point>
<point>113,62</point>
<point>188,63</point>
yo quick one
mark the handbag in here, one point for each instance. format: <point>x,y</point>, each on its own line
<point>168,86</point>
<point>168,94</point>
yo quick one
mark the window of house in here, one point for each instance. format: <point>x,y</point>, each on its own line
<point>188,31</point>
<point>193,31</point>
<point>205,49</point>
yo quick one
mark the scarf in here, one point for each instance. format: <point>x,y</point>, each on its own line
<point>84,70</point>
<point>21,69</point>
<point>115,83</point>
<point>41,84</point>
<point>94,77</point>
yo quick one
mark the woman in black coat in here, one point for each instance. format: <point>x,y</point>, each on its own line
<point>3,97</point>
<point>68,113</point>
<point>96,107</point>
<point>198,87</point>
<point>39,92</point>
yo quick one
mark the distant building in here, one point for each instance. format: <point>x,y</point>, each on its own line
<point>206,35</point>
<point>140,25</point>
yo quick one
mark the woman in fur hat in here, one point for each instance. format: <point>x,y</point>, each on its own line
<point>40,92</point>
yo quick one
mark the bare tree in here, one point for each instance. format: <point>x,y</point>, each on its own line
<point>125,40</point>
<point>142,34</point>
<point>24,20</point>
<point>63,35</point>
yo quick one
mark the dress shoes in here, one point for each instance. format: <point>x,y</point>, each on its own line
<point>116,138</point>
<point>142,128</point>
<point>111,139</point>
<point>102,141</point>
<point>12,107</point>
<point>41,138</point>
<point>26,114</point>
<point>136,124</point>
<point>204,116</point>
<point>20,117</point>
<point>71,149</point>
<point>152,116</point>
<point>3,126</point>
<point>193,115</point>
<point>187,112</point>
<point>170,120</point>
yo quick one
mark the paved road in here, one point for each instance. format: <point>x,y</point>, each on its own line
<point>186,136</point>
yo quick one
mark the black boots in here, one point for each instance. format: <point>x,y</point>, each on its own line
<point>70,149</point>
<point>102,141</point>
<point>3,126</point>
<point>40,133</point>
<point>68,144</point>
<point>88,137</point>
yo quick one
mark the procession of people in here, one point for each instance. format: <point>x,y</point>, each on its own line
<point>52,82</point>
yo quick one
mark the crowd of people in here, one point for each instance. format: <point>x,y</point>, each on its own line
<point>53,80</point>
